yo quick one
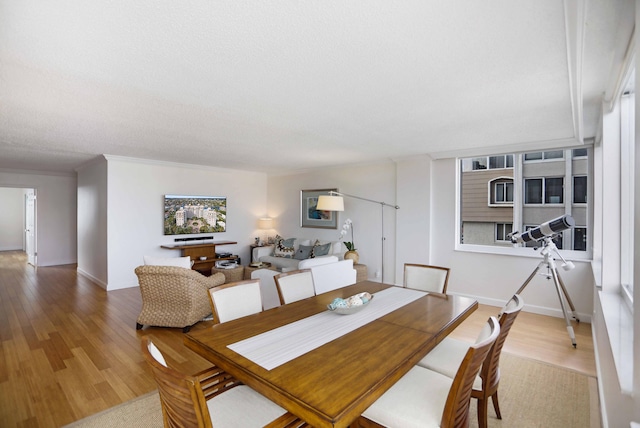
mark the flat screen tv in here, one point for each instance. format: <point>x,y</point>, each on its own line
<point>185,215</point>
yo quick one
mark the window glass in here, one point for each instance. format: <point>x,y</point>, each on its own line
<point>496,162</point>
<point>533,156</point>
<point>580,189</point>
<point>509,161</point>
<point>578,153</point>
<point>504,192</point>
<point>556,154</point>
<point>479,163</point>
<point>533,191</point>
<point>553,190</point>
<point>580,238</point>
<point>503,230</point>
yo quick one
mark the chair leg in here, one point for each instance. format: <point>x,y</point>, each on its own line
<point>482,412</point>
<point>186,329</point>
<point>138,326</point>
<point>496,407</point>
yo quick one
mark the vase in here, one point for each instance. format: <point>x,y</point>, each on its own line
<point>353,255</point>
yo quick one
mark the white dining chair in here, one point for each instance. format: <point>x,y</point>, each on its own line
<point>235,300</point>
<point>426,277</point>
<point>423,398</point>
<point>295,285</point>
<point>448,354</point>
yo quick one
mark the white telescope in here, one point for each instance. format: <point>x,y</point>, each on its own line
<point>549,228</point>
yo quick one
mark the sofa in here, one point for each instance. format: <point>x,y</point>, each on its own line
<point>286,254</point>
<point>328,274</point>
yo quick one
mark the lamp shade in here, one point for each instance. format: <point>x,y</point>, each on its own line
<point>330,203</point>
<point>265,223</point>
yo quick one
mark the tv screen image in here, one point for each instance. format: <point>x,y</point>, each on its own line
<point>194,214</point>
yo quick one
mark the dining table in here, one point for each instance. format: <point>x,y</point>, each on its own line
<point>328,368</point>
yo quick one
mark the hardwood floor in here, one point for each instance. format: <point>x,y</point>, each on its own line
<point>70,349</point>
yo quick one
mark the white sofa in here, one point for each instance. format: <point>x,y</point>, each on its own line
<point>328,274</point>
<point>266,254</point>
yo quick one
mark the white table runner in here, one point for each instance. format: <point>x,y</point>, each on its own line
<point>278,346</point>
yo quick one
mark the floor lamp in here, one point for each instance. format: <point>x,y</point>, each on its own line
<point>334,201</point>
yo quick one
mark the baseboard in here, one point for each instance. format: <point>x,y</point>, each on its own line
<point>540,310</point>
<point>101,283</point>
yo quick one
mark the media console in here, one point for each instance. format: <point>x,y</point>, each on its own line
<point>197,251</point>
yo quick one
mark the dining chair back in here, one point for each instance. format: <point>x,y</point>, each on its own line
<point>295,285</point>
<point>426,277</point>
<point>210,398</point>
<point>425,398</point>
<point>446,357</point>
<point>235,300</point>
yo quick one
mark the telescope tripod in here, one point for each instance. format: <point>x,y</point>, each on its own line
<point>552,272</point>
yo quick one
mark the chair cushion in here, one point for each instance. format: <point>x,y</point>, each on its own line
<point>184,262</point>
<point>241,406</point>
<point>447,357</point>
<point>416,400</point>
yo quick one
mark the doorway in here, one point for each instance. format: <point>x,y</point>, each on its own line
<point>18,221</point>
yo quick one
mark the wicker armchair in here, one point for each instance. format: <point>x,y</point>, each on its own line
<point>174,296</point>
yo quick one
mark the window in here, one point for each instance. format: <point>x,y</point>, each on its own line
<point>579,153</point>
<point>503,192</point>
<point>580,189</point>
<point>553,190</point>
<point>490,162</point>
<point>580,238</point>
<point>550,190</point>
<point>502,161</point>
<point>503,230</point>
<point>628,146</point>
<point>510,193</point>
<point>533,191</point>
<point>537,156</point>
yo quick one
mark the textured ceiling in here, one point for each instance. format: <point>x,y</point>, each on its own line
<point>288,85</point>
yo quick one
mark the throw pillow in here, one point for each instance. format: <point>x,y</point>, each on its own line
<point>320,249</point>
<point>284,247</point>
<point>303,252</point>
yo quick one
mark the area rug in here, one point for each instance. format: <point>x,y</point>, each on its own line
<point>532,394</point>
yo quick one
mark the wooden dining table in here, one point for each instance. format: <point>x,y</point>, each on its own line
<point>331,385</point>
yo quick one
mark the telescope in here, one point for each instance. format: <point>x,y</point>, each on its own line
<point>549,228</point>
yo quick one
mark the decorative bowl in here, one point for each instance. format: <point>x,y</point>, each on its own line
<point>350,305</point>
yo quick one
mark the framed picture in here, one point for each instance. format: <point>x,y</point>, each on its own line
<point>310,216</point>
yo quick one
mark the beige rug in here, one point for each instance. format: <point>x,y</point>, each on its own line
<point>532,394</point>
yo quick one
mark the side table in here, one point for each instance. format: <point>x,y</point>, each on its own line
<point>249,269</point>
<point>361,272</point>
<point>230,275</point>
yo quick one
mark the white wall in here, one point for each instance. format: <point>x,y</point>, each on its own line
<point>56,213</point>
<point>11,219</point>
<point>375,181</point>
<point>135,209</point>
<point>92,221</point>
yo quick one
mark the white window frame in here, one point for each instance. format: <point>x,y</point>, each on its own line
<point>504,232</point>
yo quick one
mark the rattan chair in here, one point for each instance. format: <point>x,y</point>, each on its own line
<point>295,285</point>
<point>423,398</point>
<point>429,278</point>
<point>210,398</point>
<point>445,358</point>
<point>235,300</point>
<point>174,296</point>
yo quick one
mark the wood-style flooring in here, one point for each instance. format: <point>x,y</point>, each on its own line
<point>69,349</point>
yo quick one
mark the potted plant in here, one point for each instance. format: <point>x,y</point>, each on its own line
<point>351,246</point>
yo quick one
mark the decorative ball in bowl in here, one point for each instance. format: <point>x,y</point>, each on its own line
<point>350,305</point>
